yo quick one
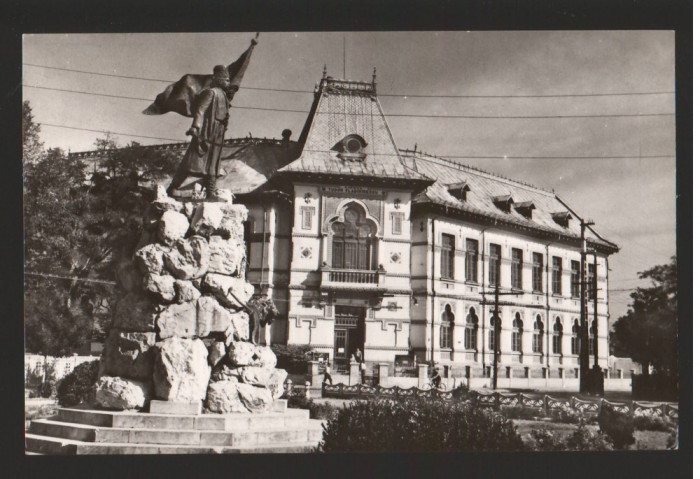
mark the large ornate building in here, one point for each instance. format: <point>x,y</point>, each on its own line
<point>397,253</point>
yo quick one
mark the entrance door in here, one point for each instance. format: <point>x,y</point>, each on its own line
<point>349,335</point>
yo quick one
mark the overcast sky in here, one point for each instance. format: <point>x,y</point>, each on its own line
<point>632,200</point>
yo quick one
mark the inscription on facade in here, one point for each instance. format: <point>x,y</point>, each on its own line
<point>353,191</point>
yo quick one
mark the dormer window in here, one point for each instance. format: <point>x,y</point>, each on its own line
<point>351,148</point>
<point>525,208</point>
<point>562,218</point>
<point>503,202</point>
<point>458,190</point>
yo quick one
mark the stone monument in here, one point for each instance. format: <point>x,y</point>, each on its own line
<point>181,336</point>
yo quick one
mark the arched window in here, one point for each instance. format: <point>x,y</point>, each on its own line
<point>492,335</point>
<point>471,330</point>
<point>447,328</point>
<point>556,336</point>
<point>575,339</point>
<point>591,339</point>
<point>538,335</point>
<point>354,240</point>
<point>516,343</point>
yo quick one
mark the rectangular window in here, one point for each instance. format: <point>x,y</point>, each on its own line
<point>516,343</point>
<point>591,280</point>
<point>494,264</point>
<point>396,222</point>
<point>470,337</point>
<point>575,279</point>
<point>516,269</point>
<point>445,336</point>
<point>307,213</point>
<point>447,257</point>
<point>537,266</point>
<point>338,262</point>
<point>471,261</point>
<point>556,342</point>
<point>556,275</point>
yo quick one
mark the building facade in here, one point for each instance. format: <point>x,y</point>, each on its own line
<point>398,253</point>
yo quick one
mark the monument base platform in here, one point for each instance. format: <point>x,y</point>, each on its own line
<point>90,431</point>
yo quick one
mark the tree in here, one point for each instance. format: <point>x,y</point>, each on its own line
<point>80,222</point>
<point>32,147</point>
<point>648,332</point>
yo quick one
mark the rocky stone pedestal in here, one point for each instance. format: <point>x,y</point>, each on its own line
<point>180,336</point>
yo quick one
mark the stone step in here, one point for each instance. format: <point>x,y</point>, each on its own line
<point>49,445</point>
<point>65,430</point>
<point>254,436</point>
<point>121,448</point>
<point>291,418</point>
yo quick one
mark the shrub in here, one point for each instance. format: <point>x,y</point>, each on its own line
<point>417,425</point>
<point>567,416</point>
<point>292,358</point>
<point>461,392</point>
<point>582,439</point>
<point>618,426</point>
<point>652,423</point>
<point>299,402</point>
<point>78,386</point>
<point>519,412</point>
<point>546,440</point>
<point>317,410</point>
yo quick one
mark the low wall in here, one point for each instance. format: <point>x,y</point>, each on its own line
<point>537,384</point>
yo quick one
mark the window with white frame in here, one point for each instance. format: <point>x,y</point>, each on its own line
<point>517,334</point>
<point>556,275</point>
<point>396,223</point>
<point>538,335</point>
<point>471,329</point>
<point>447,257</point>
<point>494,264</point>
<point>516,268</point>
<point>575,279</point>
<point>307,214</point>
<point>537,268</point>
<point>471,260</point>
<point>557,334</point>
<point>447,328</point>
<point>575,339</point>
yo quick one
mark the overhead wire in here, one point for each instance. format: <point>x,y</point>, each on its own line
<point>377,154</point>
<point>400,115</point>
<point>403,95</point>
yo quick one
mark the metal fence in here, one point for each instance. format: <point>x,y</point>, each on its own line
<point>544,403</point>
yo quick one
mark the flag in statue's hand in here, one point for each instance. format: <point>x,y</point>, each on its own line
<point>180,96</point>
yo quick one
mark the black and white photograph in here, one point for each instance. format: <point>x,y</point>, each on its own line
<point>350,241</point>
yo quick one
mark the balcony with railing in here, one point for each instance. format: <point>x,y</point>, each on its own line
<point>354,279</point>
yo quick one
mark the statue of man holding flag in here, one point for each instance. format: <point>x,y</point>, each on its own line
<point>206,99</point>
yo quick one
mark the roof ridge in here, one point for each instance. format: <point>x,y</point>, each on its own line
<point>169,146</point>
<point>464,167</point>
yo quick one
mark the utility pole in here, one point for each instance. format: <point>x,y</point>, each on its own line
<point>497,320</point>
<point>594,294</point>
<point>583,353</point>
<point>596,379</point>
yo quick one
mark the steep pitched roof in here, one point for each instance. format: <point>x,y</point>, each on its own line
<point>342,108</point>
<point>486,189</point>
